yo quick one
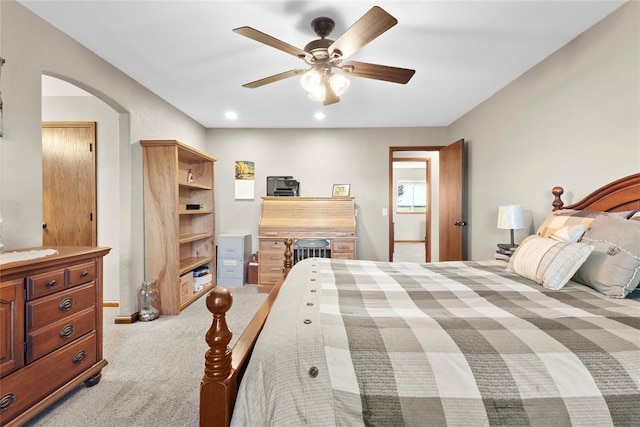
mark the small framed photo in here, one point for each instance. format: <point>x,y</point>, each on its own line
<point>340,190</point>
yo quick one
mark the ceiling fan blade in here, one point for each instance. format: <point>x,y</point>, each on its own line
<point>378,72</point>
<point>272,79</point>
<point>330,96</point>
<point>261,37</point>
<point>373,23</point>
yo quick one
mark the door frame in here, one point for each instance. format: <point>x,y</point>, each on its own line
<point>395,215</point>
<point>390,213</point>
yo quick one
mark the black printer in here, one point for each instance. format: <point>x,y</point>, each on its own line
<point>282,186</point>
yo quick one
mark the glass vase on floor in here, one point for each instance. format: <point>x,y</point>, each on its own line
<point>148,301</point>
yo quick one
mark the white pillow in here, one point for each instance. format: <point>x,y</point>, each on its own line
<point>569,233</point>
<point>548,262</point>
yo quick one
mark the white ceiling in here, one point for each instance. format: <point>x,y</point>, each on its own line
<point>185,51</point>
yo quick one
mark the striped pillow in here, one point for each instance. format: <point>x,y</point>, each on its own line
<point>548,262</point>
<point>569,217</point>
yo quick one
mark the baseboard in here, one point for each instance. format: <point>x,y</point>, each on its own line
<point>110,304</point>
<point>133,318</point>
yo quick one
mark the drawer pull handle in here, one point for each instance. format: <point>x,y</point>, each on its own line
<point>79,356</point>
<point>51,284</point>
<point>67,331</point>
<point>7,400</point>
<point>67,304</point>
<point>84,274</point>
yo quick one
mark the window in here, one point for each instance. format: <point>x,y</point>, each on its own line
<point>412,196</point>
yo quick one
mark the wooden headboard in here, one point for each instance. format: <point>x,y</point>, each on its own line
<point>224,367</point>
<point>620,195</point>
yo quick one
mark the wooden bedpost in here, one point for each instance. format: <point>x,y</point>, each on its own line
<point>557,201</point>
<point>223,369</point>
<point>288,257</point>
<point>218,384</point>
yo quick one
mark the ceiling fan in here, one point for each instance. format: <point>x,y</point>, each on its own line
<point>324,56</point>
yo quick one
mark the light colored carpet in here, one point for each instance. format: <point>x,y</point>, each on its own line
<point>409,251</point>
<point>154,371</point>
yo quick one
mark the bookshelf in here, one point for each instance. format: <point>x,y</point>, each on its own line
<point>178,238</point>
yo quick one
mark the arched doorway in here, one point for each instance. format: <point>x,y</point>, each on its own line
<point>64,100</point>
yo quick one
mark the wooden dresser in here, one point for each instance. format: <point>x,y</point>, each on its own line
<point>303,218</point>
<point>50,329</point>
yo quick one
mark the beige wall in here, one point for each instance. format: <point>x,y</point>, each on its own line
<point>318,158</point>
<point>91,109</point>
<point>32,47</point>
<point>572,120</point>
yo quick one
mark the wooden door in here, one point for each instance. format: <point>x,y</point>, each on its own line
<point>69,184</point>
<point>452,220</point>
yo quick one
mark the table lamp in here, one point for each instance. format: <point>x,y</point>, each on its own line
<point>511,217</point>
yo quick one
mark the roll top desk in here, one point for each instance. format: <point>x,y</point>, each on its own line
<point>320,226</point>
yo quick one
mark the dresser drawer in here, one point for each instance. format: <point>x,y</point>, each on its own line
<point>275,245</point>
<point>81,273</point>
<point>266,268</point>
<point>269,278</point>
<point>25,387</point>
<point>44,340</point>
<point>60,305</point>
<point>46,283</point>
<point>343,246</point>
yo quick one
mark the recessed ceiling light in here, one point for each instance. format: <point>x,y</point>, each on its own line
<point>320,115</point>
<point>231,115</point>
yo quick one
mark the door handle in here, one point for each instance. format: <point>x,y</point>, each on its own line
<point>460,223</point>
<point>44,225</point>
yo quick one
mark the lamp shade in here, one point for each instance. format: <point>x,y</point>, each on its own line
<point>311,79</point>
<point>339,84</point>
<point>511,217</point>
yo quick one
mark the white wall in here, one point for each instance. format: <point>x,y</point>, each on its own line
<point>91,109</point>
<point>573,120</point>
<point>31,48</point>
<point>318,158</point>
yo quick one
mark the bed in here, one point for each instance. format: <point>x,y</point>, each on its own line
<point>342,342</point>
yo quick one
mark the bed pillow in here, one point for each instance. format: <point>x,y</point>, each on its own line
<point>614,266</point>
<point>548,262</point>
<point>566,217</point>
<point>569,233</point>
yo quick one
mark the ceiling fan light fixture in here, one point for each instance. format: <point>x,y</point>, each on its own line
<point>311,80</point>
<point>339,84</point>
<point>318,93</point>
<point>323,55</point>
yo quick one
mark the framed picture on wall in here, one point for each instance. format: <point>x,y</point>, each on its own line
<point>340,190</point>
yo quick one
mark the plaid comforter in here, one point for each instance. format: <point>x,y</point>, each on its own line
<point>455,343</point>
